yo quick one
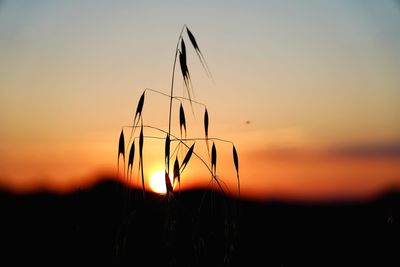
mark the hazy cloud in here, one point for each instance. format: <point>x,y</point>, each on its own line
<point>382,151</point>
<point>363,151</point>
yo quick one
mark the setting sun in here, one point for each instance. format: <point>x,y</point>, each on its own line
<point>157,182</point>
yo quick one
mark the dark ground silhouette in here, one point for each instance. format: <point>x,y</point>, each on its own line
<point>97,227</point>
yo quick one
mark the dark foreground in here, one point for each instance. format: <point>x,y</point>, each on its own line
<point>100,227</point>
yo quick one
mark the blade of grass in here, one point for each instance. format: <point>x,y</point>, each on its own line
<point>187,157</point>
<point>166,158</point>
<point>131,156</point>
<point>167,149</point>
<point>138,115</point>
<point>236,161</point>
<point>182,119</point>
<point>198,52</point>
<point>121,148</point>
<point>206,131</point>
<point>214,159</point>
<point>139,108</point>
<point>177,172</point>
<point>185,74</point>
<point>141,143</point>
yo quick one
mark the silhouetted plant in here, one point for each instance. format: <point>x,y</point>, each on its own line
<point>138,123</point>
<point>175,145</point>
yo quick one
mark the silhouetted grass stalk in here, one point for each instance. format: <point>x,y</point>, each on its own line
<point>212,167</point>
<point>180,163</point>
<point>180,51</point>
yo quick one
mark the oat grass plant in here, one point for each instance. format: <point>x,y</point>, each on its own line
<point>179,151</point>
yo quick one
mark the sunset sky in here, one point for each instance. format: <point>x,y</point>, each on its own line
<point>307,90</point>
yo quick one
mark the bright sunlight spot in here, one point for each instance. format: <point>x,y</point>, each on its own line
<point>157,182</point>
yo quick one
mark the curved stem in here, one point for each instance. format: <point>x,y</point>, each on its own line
<point>202,138</point>
<point>176,97</point>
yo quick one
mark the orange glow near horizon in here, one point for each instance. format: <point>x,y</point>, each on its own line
<point>286,175</point>
<point>317,175</point>
<point>311,118</point>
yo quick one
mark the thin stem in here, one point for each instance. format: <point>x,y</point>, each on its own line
<point>201,139</point>
<point>149,137</point>
<point>191,100</point>
<point>176,97</point>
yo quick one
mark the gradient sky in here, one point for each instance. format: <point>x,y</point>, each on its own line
<point>317,80</point>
